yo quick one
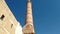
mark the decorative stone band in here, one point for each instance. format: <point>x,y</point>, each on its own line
<point>28,29</point>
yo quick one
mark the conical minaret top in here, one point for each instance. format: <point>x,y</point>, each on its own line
<point>28,0</point>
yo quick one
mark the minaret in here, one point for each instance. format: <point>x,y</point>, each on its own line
<point>28,27</point>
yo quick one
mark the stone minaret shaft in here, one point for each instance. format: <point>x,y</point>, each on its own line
<point>28,28</point>
<point>29,19</point>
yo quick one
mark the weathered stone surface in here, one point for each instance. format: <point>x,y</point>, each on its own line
<point>8,23</point>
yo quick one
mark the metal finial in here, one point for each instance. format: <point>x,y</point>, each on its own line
<point>28,0</point>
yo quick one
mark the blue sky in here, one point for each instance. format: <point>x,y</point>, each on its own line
<point>46,14</point>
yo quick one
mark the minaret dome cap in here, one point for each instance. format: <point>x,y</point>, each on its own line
<point>28,0</point>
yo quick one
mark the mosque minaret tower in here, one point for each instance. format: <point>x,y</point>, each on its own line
<point>28,27</point>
